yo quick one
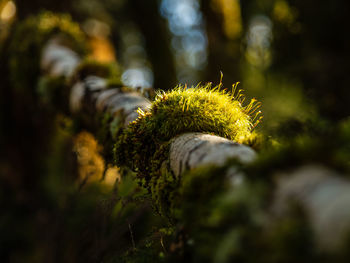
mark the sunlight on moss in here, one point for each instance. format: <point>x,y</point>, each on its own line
<point>199,109</point>
<point>203,109</point>
<point>144,144</point>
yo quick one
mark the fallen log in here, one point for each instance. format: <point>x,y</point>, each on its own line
<point>189,128</point>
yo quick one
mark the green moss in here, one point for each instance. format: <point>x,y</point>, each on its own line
<point>226,220</point>
<point>208,182</point>
<point>115,126</point>
<point>28,39</point>
<point>108,128</point>
<point>90,67</point>
<point>291,238</point>
<point>161,183</point>
<point>219,218</point>
<point>143,144</point>
<point>328,146</point>
<point>53,92</point>
<point>144,254</point>
<point>103,133</point>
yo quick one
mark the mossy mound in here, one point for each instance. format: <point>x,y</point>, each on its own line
<point>28,39</point>
<point>143,145</point>
<point>200,109</point>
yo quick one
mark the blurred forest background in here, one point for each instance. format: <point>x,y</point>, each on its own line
<point>292,55</point>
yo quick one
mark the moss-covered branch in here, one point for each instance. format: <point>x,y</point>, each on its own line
<point>190,148</point>
<point>143,130</point>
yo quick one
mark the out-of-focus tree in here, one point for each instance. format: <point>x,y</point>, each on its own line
<point>311,43</point>
<point>157,41</point>
<point>225,31</point>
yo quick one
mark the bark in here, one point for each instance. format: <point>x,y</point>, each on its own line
<point>186,152</point>
<point>325,197</point>
<point>90,93</point>
<point>192,150</point>
<point>59,60</point>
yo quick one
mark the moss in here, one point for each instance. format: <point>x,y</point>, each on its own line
<point>226,220</point>
<point>108,126</point>
<point>208,181</point>
<point>161,183</point>
<point>291,238</point>
<point>144,144</point>
<point>90,67</point>
<point>216,215</point>
<point>28,39</point>
<point>116,126</point>
<point>144,254</point>
<point>200,109</point>
<point>328,146</point>
<point>103,121</point>
<point>53,92</point>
